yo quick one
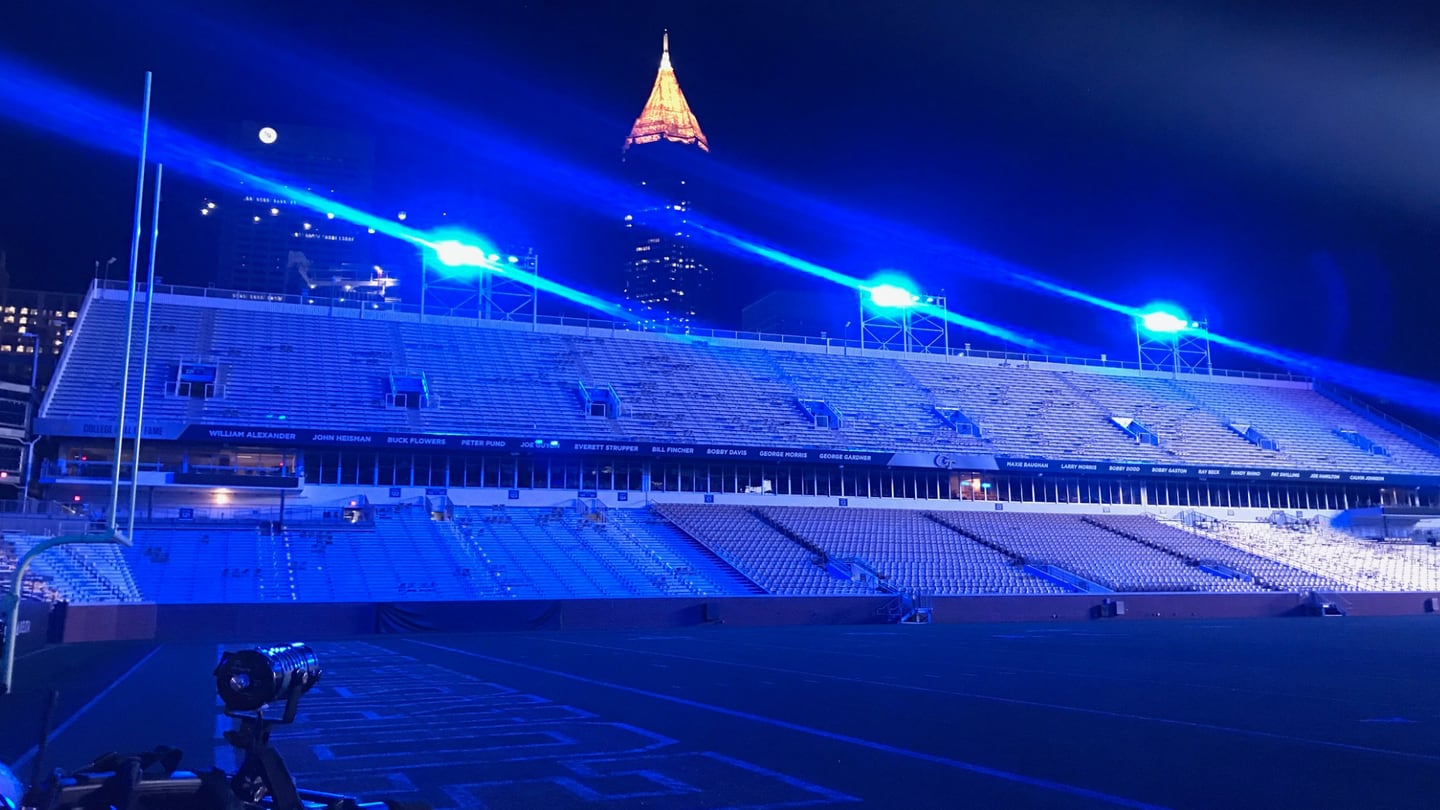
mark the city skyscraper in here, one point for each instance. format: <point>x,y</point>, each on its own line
<point>34,325</point>
<point>270,244</point>
<point>666,275</point>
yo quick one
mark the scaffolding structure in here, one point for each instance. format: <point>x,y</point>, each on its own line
<point>490,294</point>
<point>921,328</point>
<point>1183,352</point>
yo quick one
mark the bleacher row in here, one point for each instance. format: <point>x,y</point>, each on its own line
<point>271,357</point>
<point>711,550</point>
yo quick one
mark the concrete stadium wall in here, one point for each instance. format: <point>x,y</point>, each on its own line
<point>332,495</point>
<point>267,622</point>
<point>303,621</point>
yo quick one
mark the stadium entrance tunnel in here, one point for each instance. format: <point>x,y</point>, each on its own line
<point>1326,605</point>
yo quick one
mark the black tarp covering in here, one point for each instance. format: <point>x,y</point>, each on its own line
<point>462,617</point>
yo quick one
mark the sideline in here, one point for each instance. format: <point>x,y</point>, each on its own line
<point>1030,781</point>
<point>24,759</point>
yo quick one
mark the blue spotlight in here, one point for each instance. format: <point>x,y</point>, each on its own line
<point>452,253</point>
<point>771,254</point>
<point>891,296</point>
<point>1164,320</point>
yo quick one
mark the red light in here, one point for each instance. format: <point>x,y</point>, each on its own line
<point>76,499</point>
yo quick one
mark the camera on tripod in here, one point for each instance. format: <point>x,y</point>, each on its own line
<point>248,682</point>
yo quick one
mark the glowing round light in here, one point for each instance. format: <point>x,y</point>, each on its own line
<point>402,216</point>
<point>1164,319</point>
<point>268,135</point>
<point>458,254</point>
<point>892,296</point>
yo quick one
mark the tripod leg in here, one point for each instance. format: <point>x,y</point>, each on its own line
<point>278,780</point>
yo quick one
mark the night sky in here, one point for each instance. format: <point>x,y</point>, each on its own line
<point>1273,166</point>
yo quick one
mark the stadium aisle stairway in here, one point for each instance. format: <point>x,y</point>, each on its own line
<point>565,553</point>
<point>756,549</point>
<point>681,551</point>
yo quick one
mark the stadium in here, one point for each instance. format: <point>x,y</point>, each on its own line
<point>363,475</point>
<point>316,530</point>
<point>474,459</point>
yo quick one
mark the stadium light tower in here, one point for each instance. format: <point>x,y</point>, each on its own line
<point>1166,339</point>
<point>465,276</point>
<point>894,317</point>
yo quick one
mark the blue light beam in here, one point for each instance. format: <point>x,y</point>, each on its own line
<point>466,253</point>
<point>780,257</point>
<point>1419,394</point>
<point>60,108</point>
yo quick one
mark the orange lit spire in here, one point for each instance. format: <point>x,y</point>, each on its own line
<point>666,114</point>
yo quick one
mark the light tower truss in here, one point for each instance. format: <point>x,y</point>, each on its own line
<point>1183,352</point>
<point>922,327</point>
<point>481,293</point>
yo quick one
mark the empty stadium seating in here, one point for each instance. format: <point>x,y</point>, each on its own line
<point>271,358</point>
<point>1093,552</point>
<point>69,573</point>
<point>914,552</point>
<point>701,550</point>
<point>560,552</point>
<point>289,365</point>
<point>1349,562</point>
<point>34,585</point>
<point>759,550</point>
<point>1200,549</point>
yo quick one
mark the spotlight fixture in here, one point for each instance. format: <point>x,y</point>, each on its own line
<point>248,680</point>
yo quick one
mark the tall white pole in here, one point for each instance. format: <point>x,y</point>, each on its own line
<point>145,350</point>
<point>112,519</point>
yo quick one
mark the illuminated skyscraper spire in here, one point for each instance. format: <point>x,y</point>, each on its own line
<point>666,114</point>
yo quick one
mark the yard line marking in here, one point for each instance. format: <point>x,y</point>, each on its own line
<point>1031,781</point>
<point>1271,735</point>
